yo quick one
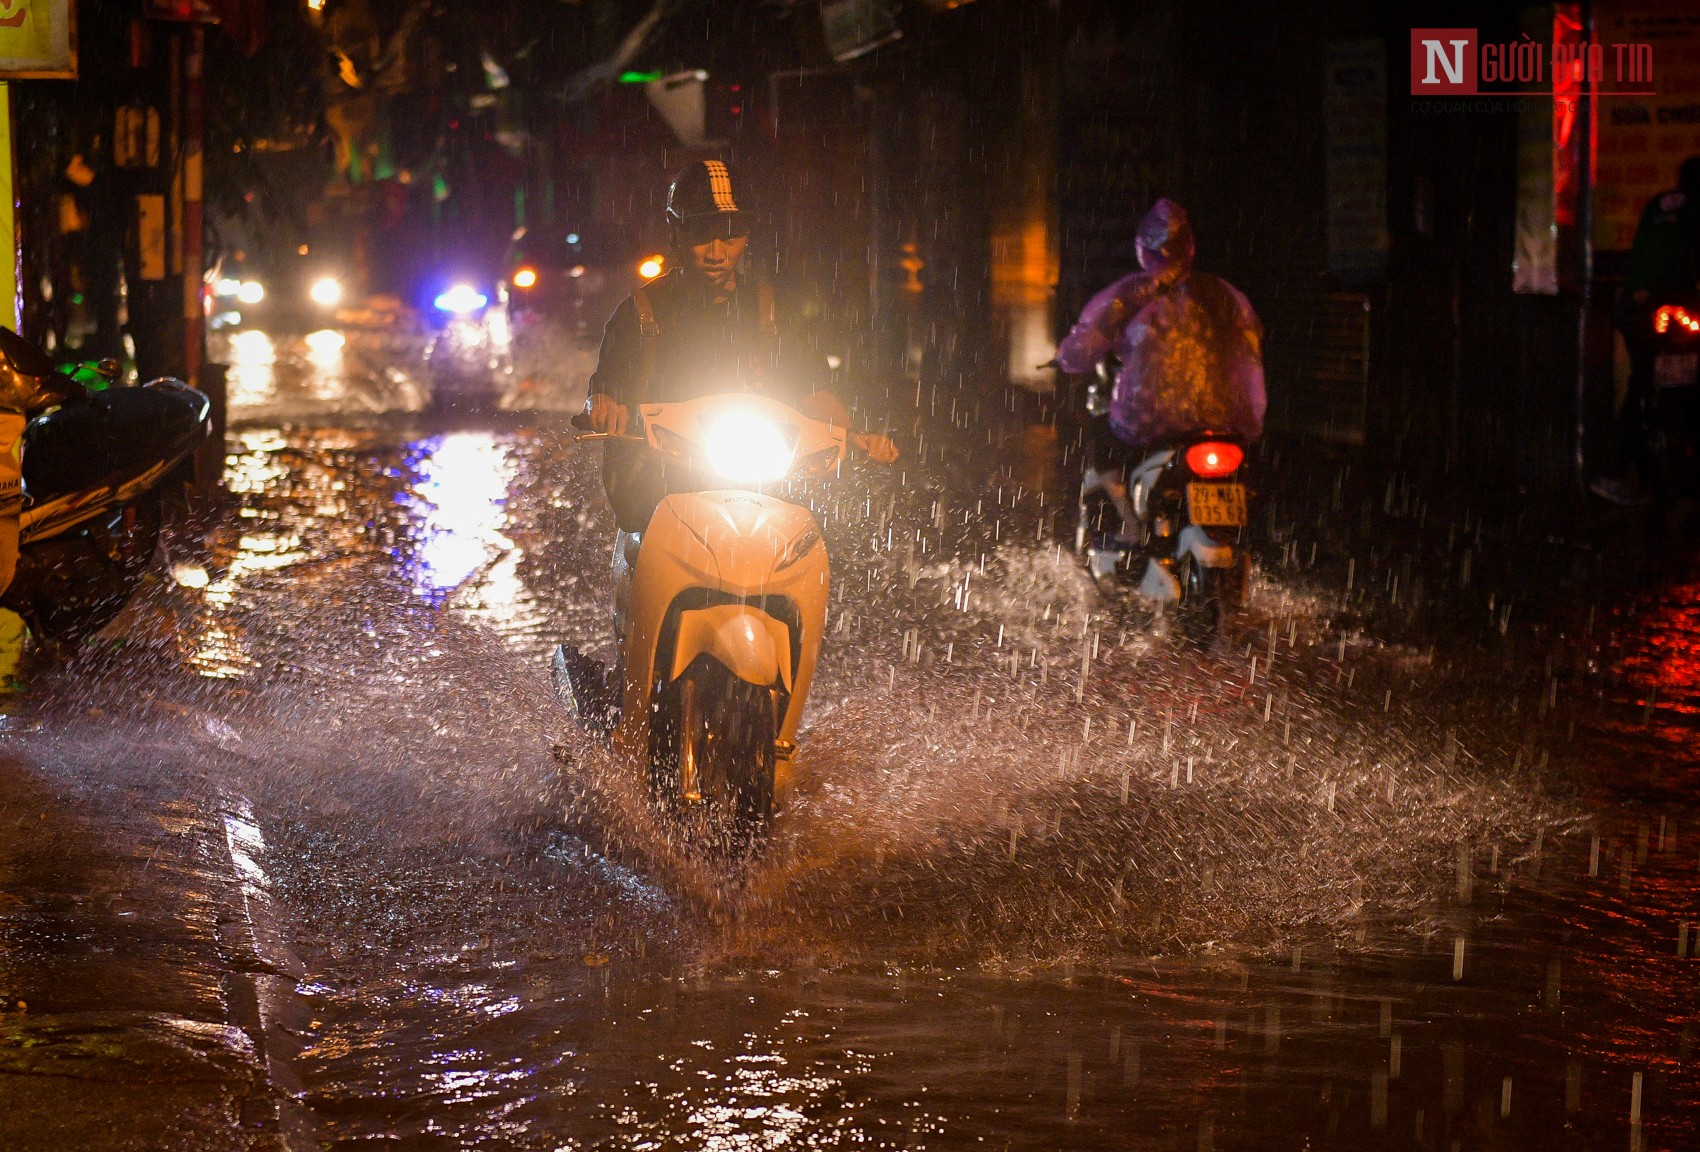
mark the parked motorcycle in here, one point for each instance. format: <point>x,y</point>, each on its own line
<point>723,604</point>
<point>94,474</point>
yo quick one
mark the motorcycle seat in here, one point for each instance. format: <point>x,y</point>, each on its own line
<point>117,435</point>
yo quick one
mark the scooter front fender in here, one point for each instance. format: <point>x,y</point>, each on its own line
<point>752,645</point>
<point>735,544</point>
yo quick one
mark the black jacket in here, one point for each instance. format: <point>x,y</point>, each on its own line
<point>702,348</point>
<point>697,348</point>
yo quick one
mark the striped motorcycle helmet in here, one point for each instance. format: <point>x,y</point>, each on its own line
<point>705,188</point>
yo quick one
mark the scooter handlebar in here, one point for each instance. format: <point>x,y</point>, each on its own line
<point>583,430</point>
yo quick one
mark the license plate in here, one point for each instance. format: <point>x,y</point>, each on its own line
<point>1216,505</point>
<point>1676,371</point>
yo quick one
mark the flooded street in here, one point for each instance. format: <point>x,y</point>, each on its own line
<point>1400,862</point>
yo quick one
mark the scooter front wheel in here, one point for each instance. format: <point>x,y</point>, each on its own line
<point>712,757</point>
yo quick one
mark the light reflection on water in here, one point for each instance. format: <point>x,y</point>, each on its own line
<point>433,511</point>
<point>252,379</point>
<point>216,648</point>
<point>460,505</point>
<point>1665,669</point>
<point>758,1103</point>
<point>219,655</point>
<point>324,355</point>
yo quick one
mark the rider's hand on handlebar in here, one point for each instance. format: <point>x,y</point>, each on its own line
<point>875,447</point>
<point>607,415</point>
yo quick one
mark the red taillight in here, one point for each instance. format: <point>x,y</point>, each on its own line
<point>1213,458</point>
<point>1675,314</point>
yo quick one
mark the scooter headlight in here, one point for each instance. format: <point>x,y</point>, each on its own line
<point>748,448</point>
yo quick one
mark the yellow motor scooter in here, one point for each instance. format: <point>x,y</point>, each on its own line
<point>722,605</point>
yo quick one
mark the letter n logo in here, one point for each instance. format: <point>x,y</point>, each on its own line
<point>1443,61</point>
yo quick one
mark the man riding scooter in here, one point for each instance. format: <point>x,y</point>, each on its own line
<point>1190,352</point>
<point>709,326</point>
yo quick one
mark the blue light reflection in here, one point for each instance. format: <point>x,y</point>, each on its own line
<point>461,497</point>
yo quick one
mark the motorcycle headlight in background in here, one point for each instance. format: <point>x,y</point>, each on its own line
<point>243,291</point>
<point>326,292</point>
<point>747,448</point>
<point>461,299</point>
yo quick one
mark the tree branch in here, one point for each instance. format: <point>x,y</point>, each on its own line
<point>601,73</point>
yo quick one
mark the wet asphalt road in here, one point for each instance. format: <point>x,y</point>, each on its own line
<point>1367,874</point>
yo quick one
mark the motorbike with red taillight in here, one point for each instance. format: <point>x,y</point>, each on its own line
<point>1185,545</point>
<point>1674,416</point>
<point>1676,343</point>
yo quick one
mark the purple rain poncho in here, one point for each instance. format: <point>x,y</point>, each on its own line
<point>1190,345</point>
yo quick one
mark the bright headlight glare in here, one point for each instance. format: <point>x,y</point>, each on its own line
<point>326,291</point>
<point>461,299</point>
<point>747,448</point>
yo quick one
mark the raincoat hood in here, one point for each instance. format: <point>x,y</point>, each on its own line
<point>1164,240</point>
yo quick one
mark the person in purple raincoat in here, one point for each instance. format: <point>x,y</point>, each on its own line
<point>1191,352</point>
